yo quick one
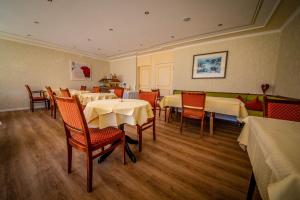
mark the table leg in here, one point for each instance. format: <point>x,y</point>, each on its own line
<point>211,123</point>
<point>251,188</point>
<point>128,140</point>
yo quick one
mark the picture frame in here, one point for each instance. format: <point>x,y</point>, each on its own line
<point>80,71</point>
<point>210,65</point>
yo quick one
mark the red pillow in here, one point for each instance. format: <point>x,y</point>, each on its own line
<point>241,98</point>
<point>254,104</point>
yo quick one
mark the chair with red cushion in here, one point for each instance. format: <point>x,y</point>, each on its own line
<point>151,98</point>
<point>36,99</point>
<point>52,101</point>
<point>65,92</point>
<point>119,92</point>
<point>83,88</point>
<point>157,100</point>
<point>87,140</point>
<point>282,109</point>
<point>96,89</point>
<point>193,104</point>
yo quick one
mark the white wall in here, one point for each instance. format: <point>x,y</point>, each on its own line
<point>125,69</point>
<point>288,66</point>
<point>22,64</point>
<point>251,62</point>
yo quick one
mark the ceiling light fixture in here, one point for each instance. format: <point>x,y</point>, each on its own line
<point>99,49</point>
<point>141,45</point>
<point>187,19</point>
<point>50,0</point>
<point>29,35</point>
<point>36,22</point>
<point>111,29</point>
<point>220,24</point>
<point>172,36</point>
<point>147,12</point>
<point>89,39</point>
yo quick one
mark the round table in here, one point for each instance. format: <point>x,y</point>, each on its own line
<point>117,112</point>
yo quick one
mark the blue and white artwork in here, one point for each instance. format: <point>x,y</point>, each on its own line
<point>211,65</point>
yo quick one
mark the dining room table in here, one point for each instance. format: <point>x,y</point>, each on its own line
<point>220,105</point>
<point>274,153</point>
<point>117,113</point>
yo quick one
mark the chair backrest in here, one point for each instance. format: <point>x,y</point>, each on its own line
<point>119,92</point>
<point>65,92</point>
<point>29,91</point>
<point>96,89</point>
<point>193,100</point>
<point>150,97</point>
<point>51,95</point>
<point>282,109</point>
<point>157,91</point>
<point>83,87</point>
<point>73,117</point>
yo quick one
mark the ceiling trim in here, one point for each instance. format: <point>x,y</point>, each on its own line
<point>48,45</point>
<point>290,19</point>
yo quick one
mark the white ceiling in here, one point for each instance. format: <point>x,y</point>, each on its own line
<point>68,24</point>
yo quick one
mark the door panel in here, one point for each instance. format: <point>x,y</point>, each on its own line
<point>145,77</point>
<point>164,78</point>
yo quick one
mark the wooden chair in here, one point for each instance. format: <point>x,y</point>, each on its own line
<point>282,109</point>
<point>83,88</point>
<point>193,104</point>
<point>157,100</point>
<point>151,98</point>
<point>65,92</point>
<point>96,89</point>
<point>36,99</point>
<point>87,140</point>
<point>52,101</point>
<point>119,92</point>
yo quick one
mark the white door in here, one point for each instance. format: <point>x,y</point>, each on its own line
<point>164,78</point>
<point>145,73</point>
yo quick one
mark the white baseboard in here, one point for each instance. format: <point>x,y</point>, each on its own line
<point>23,108</point>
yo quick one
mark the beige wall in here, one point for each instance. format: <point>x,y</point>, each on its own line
<point>37,66</point>
<point>288,67</point>
<point>251,62</point>
<point>125,69</point>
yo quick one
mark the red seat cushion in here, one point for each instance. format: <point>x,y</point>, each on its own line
<point>100,137</point>
<point>188,112</point>
<point>284,111</point>
<point>254,104</point>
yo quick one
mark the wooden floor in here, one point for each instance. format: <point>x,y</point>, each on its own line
<point>33,163</point>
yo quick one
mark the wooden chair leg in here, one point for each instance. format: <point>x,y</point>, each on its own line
<point>69,147</point>
<point>159,111</point>
<point>154,133</point>
<point>140,139</point>
<point>51,111</point>
<point>89,174</point>
<point>166,111</point>
<point>202,125</point>
<point>31,106</point>
<point>54,111</point>
<point>124,149</point>
<point>181,123</point>
<point>46,105</point>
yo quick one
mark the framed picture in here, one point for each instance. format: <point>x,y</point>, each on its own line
<point>210,65</point>
<point>80,71</point>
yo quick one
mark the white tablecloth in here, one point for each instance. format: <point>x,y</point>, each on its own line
<point>222,105</point>
<point>113,112</point>
<point>85,98</point>
<point>273,147</point>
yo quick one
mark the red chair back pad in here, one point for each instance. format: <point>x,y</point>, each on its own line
<point>149,96</point>
<point>193,99</point>
<point>70,113</point>
<point>283,111</point>
<point>119,92</point>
